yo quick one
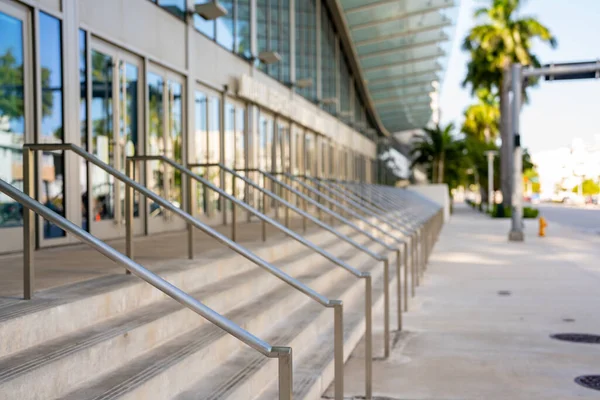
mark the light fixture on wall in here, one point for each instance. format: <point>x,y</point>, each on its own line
<point>328,101</point>
<point>211,10</point>
<point>303,83</point>
<point>269,57</point>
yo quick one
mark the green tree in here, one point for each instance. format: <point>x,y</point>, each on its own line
<point>504,38</point>
<point>436,148</point>
<point>482,120</point>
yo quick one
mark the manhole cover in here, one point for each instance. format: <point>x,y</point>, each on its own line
<point>577,337</point>
<point>589,381</point>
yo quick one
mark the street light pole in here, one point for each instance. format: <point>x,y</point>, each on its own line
<point>490,157</point>
<point>516,232</point>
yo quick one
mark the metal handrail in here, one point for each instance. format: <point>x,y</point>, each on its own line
<point>237,202</point>
<point>396,239</point>
<point>283,354</point>
<point>320,223</point>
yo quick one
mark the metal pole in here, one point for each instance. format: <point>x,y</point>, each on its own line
<point>233,213</point>
<point>28,226</point>
<point>405,277</point>
<point>338,351</point>
<point>386,308</point>
<point>399,286</point>
<point>285,372</point>
<point>190,227</point>
<point>368,339</point>
<point>490,156</point>
<point>516,232</point>
<point>129,249</point>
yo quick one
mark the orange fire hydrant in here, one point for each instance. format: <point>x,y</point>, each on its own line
<point>543,225</point>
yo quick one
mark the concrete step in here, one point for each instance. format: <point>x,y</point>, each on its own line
<point>24,324</point>
<point>58,365</point>
<point>248,375</point>
<point>167,369</point>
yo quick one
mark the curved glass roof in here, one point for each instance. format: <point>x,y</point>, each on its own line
<point>400,46</point>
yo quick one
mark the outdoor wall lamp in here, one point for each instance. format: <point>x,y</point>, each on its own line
<point>211,10</point>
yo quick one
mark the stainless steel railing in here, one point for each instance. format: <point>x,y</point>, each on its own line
<point>348,209</point>
<point>31,207</point>
<point>338,333</point>
<point>384,215</point>
<point>338,216</point>
<point>28,161</point>
<point>265,219</point>
<point>322,224</point>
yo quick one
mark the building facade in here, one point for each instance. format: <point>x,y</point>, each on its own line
<point>273,84</point>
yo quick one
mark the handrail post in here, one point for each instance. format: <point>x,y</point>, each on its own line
<point>190,227</point>
<point>264,211</point>
<point>338,352</point>
<point>233,213</point>
<point>287,209</point>
<point>386,308</point>
<point>28,226</point>
<point>129,249</point>
<point>399,286</point>
<point>368,338</point>
<point>285,372</point>
<point>405,277</point>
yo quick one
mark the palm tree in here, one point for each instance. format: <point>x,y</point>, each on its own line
<point>504,39</point>
<point>436,147</point>
<point>482,120</point>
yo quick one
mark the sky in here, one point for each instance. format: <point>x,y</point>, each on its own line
<point>558,111</point>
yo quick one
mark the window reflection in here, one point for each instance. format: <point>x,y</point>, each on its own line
<point>175,7</point>
<point>102,127</point>
<point>229,144</point>
<point>240,149</point>
<point>205,26</point>
<point>225,26</point>
<point>201,144</point>
<point>214,149</point>
<point>12,116</point>
<point>52,163</point>
<point>83,180</point>
<point>306,46</point>
<point>272,34</point>
<point>242,28</point>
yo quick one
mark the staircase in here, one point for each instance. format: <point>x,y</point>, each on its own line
<point>121,337</point>
<point>118,338</point>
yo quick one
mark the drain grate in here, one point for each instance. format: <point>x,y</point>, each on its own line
<point>577,337</point>
<point>504,293</point>
<point>589,381</point>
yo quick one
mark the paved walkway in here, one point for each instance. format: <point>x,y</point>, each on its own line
<point>479,327</point>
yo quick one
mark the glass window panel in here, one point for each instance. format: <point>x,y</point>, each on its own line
<point>52,163</point>
<point>204,26</point>
<point>83,181</point>
<point>225,34</point>
<point>240,149</point>
<point>102,137</point>
<point>201,144</point>
<point>175,7</point>
<point>306,46</point>
<point>175,142</point>
<point>156,136</point>
<point>229,144</point>
<point>328,57</point>
<point>273,35</point>
<point>12,115</point>
<point>214,148</point>
<point>242,28</point>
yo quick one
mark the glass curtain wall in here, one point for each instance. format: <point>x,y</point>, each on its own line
<point>231,31</point>
<point>273,34</point>
<point>328,62</point>
<point>306,46</point>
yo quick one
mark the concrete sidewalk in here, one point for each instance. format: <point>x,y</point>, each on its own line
<point>479,326</point>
